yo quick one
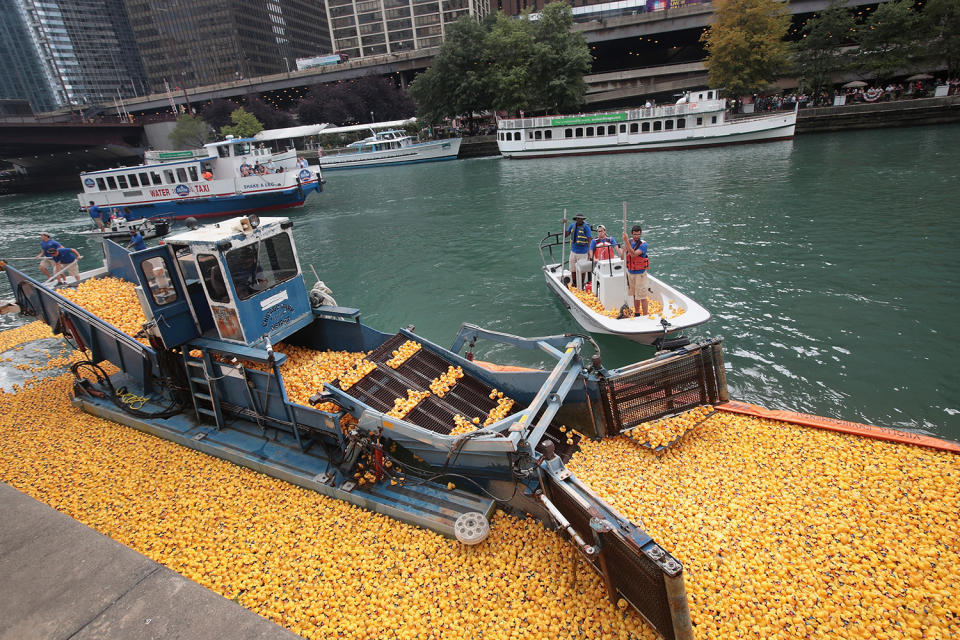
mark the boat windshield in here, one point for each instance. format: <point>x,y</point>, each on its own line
<point>262,266</point>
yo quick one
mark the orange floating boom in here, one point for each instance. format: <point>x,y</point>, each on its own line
<point>842,426</point>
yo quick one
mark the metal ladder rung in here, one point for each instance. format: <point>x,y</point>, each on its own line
<point>202,381</point>
<point>203,396</point>
<point>209,412</point>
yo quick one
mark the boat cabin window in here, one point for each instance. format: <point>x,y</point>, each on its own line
<point>709,95</point>
<point>258,267</point>
<point>133,180</point>
<point>579,132</point>
<point>181,174</point>
<point>242,149</point>
<point>699,121</point>
<point>658,125</point>
<point>213,277</point>
<point>111,182</point>
<point>634,127</point>
<point>623,128</point>
<point>645,127</point>
<point>538,135</point>
<point>713,120</point>
<point>193,173</point>
<point>611,130</point>
<point>101,184</point>
<point>144,179</point>
<point>158,280</point>
<point>548,134</point>
<point>568,133</point>
<point>681,123</point>
<point>122,181</point>
<point>516,136</point>
<point>168,176</point>
<point>155,178</point>
<point>589,133</point>
<point>668,125</point>
<point>223,151</point>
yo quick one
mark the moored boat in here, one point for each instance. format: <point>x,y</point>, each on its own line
<point>698,119</point>
<point>604,308</point>
<point>231,177</point>
<point>388,147</point>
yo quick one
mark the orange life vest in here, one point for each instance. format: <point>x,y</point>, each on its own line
<point>637,263</point>
<point>603,251</point>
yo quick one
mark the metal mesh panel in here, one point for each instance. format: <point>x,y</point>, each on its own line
<point>637,578</point>
<point>677,385</point>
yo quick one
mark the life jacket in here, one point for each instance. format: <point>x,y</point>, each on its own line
<point>603,251</point>
<point>637,263</point>
<point>581,235</point>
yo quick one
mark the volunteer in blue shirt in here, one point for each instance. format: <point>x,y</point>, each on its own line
<point>136,241</point>
<point>579,245</point>
<point>48,249</point>
<point>635,252</point>
<point>130,215</point>
<point>97,215</point>
<point>67,264</point>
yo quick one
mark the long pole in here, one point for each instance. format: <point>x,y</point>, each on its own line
<point>563,246</point>
<point>626,274</point>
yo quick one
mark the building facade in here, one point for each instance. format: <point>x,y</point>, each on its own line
<point>203,42</point>
<point>360,28</point>
<point>68,53</point>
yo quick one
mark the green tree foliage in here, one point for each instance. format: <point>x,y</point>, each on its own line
<point>820,52</point>
<point>217,113</point>
<point>506,64</point>
<point>745,46</point>
<point>245,124</point>
<point>562,59</point>
<point>889,40</point>
<point>191,132</point>
<point>941,26</point>
<point>457,82</point>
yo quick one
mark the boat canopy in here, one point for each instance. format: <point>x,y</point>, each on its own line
<point>370,125</point>
<point>293,132</point>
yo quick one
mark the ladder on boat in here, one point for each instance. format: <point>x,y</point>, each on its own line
<point>202,392</point>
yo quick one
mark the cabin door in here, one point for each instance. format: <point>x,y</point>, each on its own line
<point>622,134</point>
<point>164,292</point>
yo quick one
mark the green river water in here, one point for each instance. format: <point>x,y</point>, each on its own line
<point>825,261</point>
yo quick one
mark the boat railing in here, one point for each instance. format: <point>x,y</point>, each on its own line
<point>554,242</point>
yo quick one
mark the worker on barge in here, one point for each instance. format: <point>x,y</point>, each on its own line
<point>579,246</point>
<point>48,252</point>
<point>635,251</point>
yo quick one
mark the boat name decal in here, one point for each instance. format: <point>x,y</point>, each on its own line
<point>591,119</point>
<point>201,188</point>
<point>265,184</point>
<point>159,193</point>
<point>182,190</point>
<point>273,300</point>
<point>270,318</point>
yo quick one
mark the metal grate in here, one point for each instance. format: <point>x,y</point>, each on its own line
<point>634,576</point>
<point>679,384</point>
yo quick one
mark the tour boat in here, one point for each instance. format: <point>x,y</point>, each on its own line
<point>388,147</point>
<point>217,180</point>
<point>600,306</point>
<point>698,119</point>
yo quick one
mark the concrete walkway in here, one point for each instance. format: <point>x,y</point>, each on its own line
<point>61,579</point>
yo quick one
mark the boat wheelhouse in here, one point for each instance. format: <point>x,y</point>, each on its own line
<point>699,119</point>
<point>230,177</point>
<point>391,146</point>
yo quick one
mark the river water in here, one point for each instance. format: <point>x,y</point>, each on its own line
<point>825,261</point>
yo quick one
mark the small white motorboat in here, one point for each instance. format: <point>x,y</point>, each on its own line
<point>600,308</point>
<point>121,227</point>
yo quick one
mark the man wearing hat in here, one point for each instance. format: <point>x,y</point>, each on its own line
<point>579,245</point>
<point>48,249</point>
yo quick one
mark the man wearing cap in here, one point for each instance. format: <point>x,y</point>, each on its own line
<point>603,247</point>
<point>579,244</point>
<point>48,249</point>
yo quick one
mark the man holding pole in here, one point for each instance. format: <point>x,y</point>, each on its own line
<point>579,245</point>
<point>635,252</point>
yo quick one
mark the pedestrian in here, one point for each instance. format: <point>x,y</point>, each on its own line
<point>635,251</point>
<point>48,249</point>
<point>136,240</point>
<point>67,264</point>
<point>580,239</point>
<point>96,215</point>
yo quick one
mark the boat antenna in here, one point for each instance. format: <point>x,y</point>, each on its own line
<point>314,273</point>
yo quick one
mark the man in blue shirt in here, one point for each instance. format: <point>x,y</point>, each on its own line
<point>579,245</point>
<point>48,249</point>
<point>635,252</point>
<point>96,215</point>
<point>136,241</point>
<point>67,264</point>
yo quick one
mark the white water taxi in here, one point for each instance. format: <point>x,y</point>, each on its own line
<point>600,309</point>
<point>698,119</point>
<point>392,146</point>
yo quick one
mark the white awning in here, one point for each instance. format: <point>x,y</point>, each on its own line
<point>292,132</point>
<point>370,125</point>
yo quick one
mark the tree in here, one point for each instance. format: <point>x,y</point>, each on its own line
<point>745,46</point>
<point>191,132</point>
<point>245,124</point>
<point>217,113</point>
<point>562,59</point>
<point>941,20</point>
<point>512,48</point>
<point>269,116</point>
<point>457,82</point>
<point>888,40</point>
<point>820,52</point>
